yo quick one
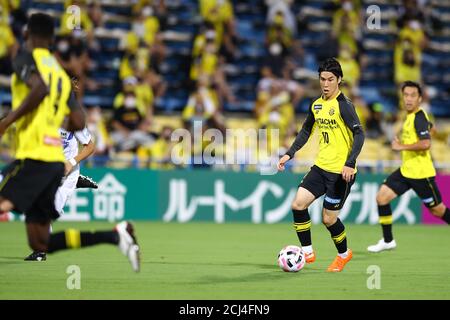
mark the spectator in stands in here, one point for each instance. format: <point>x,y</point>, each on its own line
<point>278,42</point>
<point>136,63</point>
<point>72,53</point>
<point>8,45</point>
<point>97,127</point>
<point>275,109</point>
<point>407,62</point>
<point>129,129</point>
<point>158,155</point>
<point>283,6</point>
<point>203,105</point>
<point>144,97</point>
<point>206,35</point>
<point>295,90</point>
<point>410,10</point>
<point>209,63</point>
<point>346,27</point>
<point>145,30</point>
<point>413,31</point>
<point>220,14</point>
<point>350,66</point>
<point>158,6</point>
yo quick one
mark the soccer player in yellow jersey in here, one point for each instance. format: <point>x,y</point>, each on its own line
<point>333,174</point>
<point>42,97</point>
<point>417,171</point>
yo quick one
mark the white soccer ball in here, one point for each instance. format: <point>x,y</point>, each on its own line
<point>291,259</point>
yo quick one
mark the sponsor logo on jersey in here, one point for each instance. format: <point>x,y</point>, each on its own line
<point>326,121</point>
<point>317,108</point>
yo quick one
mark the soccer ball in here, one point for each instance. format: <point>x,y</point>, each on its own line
<point>291,259</point>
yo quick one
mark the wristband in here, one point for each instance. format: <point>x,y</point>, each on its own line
<point>73,162</point>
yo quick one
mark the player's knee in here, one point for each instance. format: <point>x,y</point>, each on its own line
<point>298,205</point>
<point>382,199</point>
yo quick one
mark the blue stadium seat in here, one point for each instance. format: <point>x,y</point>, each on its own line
<point>170,104</point>
<point>56,6</point>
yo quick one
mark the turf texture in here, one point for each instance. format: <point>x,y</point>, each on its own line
<point>229,261</point>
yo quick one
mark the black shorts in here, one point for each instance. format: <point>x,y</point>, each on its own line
<point>31,186</point>
<point>320,182</point>
<point>426,189</point>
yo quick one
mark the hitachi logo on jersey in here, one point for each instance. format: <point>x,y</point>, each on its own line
<point>326,121</point>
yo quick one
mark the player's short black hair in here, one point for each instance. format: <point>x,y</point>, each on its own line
<point>333,66</point>
<point>41,25</point>
<point>412,84</point>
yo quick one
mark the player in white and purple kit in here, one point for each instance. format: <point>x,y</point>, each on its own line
<point>70,142</point>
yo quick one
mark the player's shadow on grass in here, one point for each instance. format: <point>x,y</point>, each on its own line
<point>363,255</point>
<point>275,274</point>
<point>10,260</point>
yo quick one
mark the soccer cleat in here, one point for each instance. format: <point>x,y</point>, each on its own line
<point>338,264</point>
<point>310,257</point>
<point>382,245</point>
<point>36,256</point>
<point>128,244</point>
<point>86,182</point>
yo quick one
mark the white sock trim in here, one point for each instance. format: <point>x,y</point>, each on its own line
<point>308,249</point>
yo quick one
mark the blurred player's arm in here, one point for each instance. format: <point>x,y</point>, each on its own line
<point>300,140</point>
<point>88,147</point>
<point>422,126</point>
<point>25,68</point>
<point>86,151</point>
<point>302,136</point>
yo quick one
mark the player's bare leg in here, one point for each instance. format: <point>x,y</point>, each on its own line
<point>439,210</point>
<point>38,237</point>
<point>337,230</point>
<point>384,197</point>
<point>302,221</point>
<point>122,235</point>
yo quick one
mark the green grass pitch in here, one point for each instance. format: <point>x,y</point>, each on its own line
<point>229,261</point>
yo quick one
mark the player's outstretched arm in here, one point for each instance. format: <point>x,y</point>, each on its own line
<point>282,162</point>
<point>302,136</point>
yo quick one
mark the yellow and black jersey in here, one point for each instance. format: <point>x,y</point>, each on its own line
<point>341,133</point>
<point>37,133</point>
<point>416,164</point>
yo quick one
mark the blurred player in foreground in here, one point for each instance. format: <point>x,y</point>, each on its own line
<point>41,98</point>
<point>70,142</point>
<point>333,174</point>
<point>417,171</point>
